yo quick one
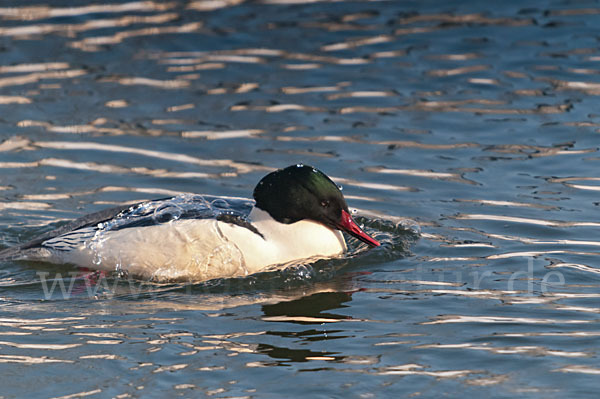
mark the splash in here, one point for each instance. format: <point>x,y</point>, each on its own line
<point>184,206</point>
<point>396,235</point>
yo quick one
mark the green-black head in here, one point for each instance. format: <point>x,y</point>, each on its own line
<point>302,192</point>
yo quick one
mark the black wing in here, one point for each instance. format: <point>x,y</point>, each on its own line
<point>149,213</point>
<point>83,222</point>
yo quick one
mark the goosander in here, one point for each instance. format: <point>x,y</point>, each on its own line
<point>298,213</point>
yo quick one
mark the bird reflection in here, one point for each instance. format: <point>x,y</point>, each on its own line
<point>311,309</point>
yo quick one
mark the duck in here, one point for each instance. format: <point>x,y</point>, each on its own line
<point>298,214</point>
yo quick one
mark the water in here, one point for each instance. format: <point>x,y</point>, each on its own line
<point>477,121</point>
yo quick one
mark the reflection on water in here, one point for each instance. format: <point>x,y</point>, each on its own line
<point>480,123</point>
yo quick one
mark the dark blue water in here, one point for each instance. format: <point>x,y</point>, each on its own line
<point>477,121</point>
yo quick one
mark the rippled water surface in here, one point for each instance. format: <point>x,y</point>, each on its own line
<point>478,121</point>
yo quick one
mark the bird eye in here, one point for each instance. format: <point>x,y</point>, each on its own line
<point>324,204</point>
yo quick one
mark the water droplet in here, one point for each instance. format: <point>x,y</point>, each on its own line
<point>167,211</point>
<point>97,259</point>
<point>300,165</point>
<point>340,187</point>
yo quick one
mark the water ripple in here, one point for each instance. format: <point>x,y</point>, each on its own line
<point>465,135</point>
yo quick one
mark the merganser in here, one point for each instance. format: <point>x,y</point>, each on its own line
<point>298,213</point>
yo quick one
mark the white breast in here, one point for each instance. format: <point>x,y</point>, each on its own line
<point>283,243</point>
